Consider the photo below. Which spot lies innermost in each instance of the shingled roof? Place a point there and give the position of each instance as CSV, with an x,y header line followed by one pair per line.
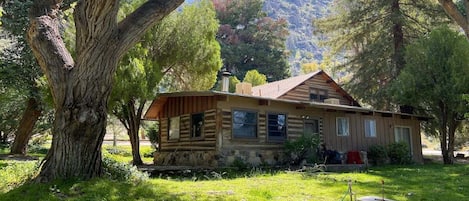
x,y
278,88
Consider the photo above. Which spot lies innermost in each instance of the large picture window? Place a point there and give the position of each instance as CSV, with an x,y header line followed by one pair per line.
x,y
370,128
244,124
277,127
173,131
197,125
342,124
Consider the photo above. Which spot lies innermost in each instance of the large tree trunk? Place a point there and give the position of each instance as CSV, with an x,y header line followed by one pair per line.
x,y
26,126
81,88
398,38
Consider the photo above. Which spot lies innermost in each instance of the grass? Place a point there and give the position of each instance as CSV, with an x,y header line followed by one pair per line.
x,y
413,183
416,182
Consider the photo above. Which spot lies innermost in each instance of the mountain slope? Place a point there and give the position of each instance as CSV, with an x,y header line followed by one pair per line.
x,y
301,43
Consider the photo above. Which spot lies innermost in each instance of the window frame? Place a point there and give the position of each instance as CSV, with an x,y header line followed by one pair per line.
x,y
410,137
319,97
374,129
285,129
337,126
256,125
192,137
169,129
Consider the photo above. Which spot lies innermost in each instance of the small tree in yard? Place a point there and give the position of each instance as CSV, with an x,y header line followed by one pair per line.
x,y
81,84
434,81
187,54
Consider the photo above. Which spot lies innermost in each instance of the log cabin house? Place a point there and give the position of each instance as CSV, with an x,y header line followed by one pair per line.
x,y
213,128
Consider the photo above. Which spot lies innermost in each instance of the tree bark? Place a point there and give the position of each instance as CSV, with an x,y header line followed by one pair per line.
x,y
26,126
81,88
398,37
134,117
452,10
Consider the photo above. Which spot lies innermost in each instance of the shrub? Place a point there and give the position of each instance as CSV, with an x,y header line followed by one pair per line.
x,y
377,154
399,153
152,134
303,148
239,164
16,173
119,171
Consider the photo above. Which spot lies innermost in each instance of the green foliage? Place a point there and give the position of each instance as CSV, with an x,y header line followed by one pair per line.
x,y
399,153
240,164
250,40
371,36
120,171
377,154
255,78
303,148
14,174
152,133
442,57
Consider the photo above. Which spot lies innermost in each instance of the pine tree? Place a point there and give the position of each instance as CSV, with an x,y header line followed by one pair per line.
x,y
372,35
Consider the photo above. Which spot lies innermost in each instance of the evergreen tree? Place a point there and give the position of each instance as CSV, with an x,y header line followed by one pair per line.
x,y
250,40
433,83
371,35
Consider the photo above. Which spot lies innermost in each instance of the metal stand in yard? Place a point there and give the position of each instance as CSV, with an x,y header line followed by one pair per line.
x,y
349,192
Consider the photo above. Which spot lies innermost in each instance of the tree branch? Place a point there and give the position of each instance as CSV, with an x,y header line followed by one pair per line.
x,y
47,44
142,19
451,9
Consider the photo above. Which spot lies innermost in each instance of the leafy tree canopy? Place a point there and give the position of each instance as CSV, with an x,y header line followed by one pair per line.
x,y
432,81
255,78
250,40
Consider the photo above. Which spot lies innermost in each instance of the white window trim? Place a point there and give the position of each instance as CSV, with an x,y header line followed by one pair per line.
x,y
364,129
347,133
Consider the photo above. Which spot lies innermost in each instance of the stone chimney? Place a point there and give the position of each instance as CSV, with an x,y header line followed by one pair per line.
x,y
225,81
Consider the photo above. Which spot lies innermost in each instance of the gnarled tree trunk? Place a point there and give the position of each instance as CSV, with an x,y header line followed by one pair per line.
x,y
26,126
81,87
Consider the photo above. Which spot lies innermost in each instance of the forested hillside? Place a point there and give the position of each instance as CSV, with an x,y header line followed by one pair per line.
x,y
302,44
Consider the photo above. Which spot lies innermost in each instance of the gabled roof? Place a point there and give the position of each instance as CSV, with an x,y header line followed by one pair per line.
x,y
278,88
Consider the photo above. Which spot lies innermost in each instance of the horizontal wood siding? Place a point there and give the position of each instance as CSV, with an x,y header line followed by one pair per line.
x,y
301,92
177,106
185,142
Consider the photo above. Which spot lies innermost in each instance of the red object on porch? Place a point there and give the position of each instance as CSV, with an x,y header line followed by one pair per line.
x,y
353,157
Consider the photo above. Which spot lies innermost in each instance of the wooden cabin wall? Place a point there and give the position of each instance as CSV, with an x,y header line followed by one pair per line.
x,y
301,92
177,106
357,140
185,107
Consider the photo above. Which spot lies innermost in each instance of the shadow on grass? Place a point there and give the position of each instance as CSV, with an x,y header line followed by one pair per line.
x,y
96,189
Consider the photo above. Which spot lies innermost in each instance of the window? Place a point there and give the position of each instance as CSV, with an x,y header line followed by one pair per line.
x,y
342,125
402,134
173,132
197,125
244,124
370,128
318,95
311,126
276,126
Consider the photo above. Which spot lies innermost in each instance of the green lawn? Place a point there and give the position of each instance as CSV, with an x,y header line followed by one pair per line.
x,y
428,182
414,182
